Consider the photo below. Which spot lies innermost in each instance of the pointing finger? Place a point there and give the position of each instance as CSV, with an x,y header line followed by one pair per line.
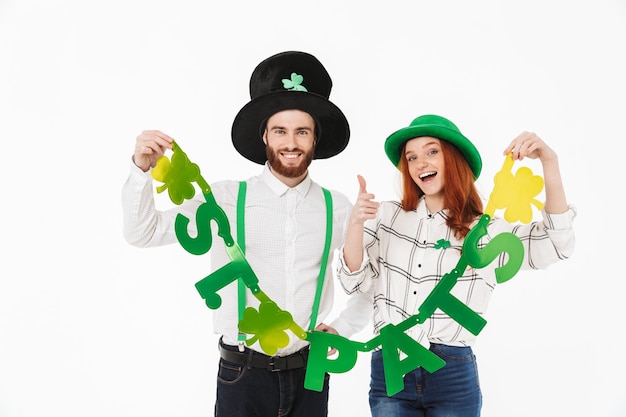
x,y
362,188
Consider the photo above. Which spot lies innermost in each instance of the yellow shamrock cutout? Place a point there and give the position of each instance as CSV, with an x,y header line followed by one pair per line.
x,y
515,193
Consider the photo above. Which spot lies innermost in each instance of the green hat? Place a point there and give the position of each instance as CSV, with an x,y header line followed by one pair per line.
x,y
437,127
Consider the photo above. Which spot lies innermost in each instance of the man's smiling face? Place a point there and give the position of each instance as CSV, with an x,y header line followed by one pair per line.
x,y
290,142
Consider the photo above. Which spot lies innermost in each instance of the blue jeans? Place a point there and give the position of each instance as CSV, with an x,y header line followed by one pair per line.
x,y
452,391
258,392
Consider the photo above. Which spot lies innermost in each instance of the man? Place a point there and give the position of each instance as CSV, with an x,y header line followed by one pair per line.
x,y
288,123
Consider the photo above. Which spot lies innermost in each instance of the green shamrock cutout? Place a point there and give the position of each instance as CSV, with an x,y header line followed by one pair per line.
x,y
295,83
442,244
177,176
268,325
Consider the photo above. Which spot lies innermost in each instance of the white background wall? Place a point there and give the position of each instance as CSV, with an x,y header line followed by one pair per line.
x,y
90,326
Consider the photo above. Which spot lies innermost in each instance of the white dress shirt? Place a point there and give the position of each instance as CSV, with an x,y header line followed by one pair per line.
x,y
285,237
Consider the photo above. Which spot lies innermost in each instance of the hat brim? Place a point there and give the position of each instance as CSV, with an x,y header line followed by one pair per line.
x,y
395,142
333,129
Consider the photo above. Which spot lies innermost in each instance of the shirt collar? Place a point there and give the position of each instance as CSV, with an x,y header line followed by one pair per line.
x,y
279,188
423,211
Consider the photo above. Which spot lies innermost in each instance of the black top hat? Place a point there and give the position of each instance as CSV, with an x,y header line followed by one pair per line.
x,y
290,80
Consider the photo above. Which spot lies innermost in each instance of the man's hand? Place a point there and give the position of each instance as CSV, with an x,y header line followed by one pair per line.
x,y
327,329
149,147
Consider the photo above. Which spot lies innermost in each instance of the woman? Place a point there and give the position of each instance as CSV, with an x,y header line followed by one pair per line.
x,y
399,250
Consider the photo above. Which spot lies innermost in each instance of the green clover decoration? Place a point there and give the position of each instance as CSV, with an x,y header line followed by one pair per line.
x,y
177,176
268,325
442,244
295,83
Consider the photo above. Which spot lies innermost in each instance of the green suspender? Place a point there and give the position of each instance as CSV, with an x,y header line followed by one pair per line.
x,y
320,278
241,241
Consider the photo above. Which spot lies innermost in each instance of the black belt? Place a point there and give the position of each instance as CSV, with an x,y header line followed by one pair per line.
x,y
253,359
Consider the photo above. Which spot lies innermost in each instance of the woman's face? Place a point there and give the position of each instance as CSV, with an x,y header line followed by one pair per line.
x,y
424,158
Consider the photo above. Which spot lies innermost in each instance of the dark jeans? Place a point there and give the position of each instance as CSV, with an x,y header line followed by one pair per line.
x,y
452,391
248,392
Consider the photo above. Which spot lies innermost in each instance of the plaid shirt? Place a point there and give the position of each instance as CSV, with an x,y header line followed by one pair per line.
x,y
404,259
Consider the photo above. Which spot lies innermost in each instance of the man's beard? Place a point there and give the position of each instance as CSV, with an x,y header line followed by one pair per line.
x,y
273,158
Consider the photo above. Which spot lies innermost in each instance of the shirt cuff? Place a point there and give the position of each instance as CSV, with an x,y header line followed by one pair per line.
x,y
344,268
137,174
561,221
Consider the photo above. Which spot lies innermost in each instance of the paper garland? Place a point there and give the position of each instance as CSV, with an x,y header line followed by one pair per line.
x,y
269,324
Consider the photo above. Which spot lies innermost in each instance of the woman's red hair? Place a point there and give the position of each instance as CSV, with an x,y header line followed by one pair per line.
x,y
461,197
